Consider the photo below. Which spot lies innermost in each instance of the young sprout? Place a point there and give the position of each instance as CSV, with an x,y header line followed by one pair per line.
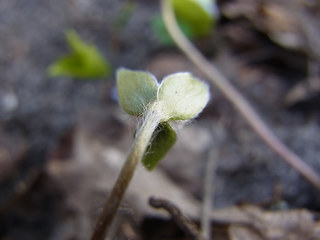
x,y
179,96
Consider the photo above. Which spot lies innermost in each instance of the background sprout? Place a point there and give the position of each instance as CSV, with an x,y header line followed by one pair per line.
x,y
196,18
84,61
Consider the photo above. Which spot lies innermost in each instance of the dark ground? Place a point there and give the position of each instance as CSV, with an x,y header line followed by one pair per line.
x,y
62,140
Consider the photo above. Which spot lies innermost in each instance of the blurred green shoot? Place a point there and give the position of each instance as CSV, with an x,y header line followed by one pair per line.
x,y
84,61
196,18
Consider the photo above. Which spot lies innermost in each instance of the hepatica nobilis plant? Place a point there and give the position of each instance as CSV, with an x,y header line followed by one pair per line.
x,y
179,96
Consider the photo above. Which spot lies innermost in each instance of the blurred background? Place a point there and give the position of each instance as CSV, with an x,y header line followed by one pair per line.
x,y
63,137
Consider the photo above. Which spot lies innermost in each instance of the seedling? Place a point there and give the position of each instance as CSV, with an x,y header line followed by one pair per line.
x,y
178,97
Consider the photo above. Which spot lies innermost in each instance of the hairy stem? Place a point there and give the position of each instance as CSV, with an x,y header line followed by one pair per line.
x,y
234,96
114,199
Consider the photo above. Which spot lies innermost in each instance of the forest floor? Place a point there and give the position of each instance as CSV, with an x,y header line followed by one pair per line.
x,y
63,140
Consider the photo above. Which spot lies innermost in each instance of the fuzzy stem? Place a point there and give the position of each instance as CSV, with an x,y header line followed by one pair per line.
x,y
235,97
114,199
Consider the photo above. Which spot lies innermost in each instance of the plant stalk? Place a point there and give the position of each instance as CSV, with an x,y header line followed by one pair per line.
x,y
115,197
235,97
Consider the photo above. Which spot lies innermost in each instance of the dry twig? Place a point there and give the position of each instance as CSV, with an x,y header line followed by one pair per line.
x,y
208,194
186,225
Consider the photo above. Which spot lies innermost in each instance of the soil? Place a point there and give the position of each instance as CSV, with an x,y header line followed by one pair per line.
x,y
62,140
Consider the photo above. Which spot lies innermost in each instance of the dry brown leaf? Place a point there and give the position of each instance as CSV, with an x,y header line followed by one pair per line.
x,y
303,91
237,232
288,23
253,223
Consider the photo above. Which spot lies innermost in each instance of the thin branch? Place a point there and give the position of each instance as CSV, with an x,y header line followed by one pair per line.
x,y
233,95
186,225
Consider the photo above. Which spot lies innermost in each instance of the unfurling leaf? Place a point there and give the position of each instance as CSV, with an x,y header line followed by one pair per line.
x,y
182,97
162,34
162,140
196,18
136,89
84,61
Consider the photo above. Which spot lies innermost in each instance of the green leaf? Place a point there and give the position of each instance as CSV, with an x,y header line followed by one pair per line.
x,y
196,14
163,139
136,89
84,61
182,97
